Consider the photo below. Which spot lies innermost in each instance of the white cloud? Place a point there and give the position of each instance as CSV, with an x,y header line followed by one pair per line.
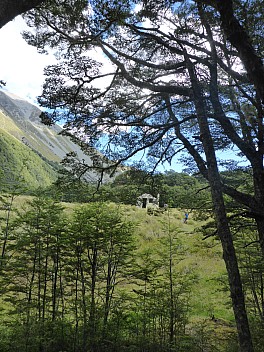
x,y
21,66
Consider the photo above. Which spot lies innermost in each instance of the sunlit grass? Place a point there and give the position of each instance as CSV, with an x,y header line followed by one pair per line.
x,y
204,257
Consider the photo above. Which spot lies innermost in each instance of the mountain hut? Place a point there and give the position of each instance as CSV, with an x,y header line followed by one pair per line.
x,y
147,200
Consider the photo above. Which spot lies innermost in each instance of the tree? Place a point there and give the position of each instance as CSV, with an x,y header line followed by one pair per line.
x,y
12,185
177,82
239,38
175,283
32,278
102,242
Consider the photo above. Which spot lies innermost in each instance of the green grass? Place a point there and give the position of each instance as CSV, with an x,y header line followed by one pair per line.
x,y
19,162
204,256
9,126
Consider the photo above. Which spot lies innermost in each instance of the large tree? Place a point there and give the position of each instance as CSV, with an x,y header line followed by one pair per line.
x,y
184,75
9,9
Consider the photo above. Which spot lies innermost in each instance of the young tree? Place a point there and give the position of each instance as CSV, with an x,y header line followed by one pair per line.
x,y
32,279
175,285
102,241
12,186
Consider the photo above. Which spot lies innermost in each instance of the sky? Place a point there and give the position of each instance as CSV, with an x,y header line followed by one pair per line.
x,y
21,66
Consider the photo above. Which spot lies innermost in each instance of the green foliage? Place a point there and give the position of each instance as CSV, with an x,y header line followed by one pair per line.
x,y
175,88
175,189
103,276
20,162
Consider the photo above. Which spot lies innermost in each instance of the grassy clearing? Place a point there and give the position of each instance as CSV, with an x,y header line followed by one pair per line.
x,y
208,297
204,256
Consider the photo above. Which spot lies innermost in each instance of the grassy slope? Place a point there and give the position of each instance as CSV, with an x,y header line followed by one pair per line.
x,y
9,126
204,256
18,160
207,298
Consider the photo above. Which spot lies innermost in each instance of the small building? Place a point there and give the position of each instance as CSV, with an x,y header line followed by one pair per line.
x,y
147,200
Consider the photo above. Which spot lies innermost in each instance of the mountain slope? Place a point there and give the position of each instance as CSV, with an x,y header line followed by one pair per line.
x,y
26,126
21,166
19,121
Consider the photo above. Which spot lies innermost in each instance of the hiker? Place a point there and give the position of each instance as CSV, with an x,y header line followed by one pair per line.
x,y
186,215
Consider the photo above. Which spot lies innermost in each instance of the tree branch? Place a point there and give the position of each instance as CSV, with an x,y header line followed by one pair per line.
x,y
9,9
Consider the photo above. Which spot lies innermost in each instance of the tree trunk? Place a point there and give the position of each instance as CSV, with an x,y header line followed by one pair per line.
x,y
258,177
238,37
172,313
55,282
92,318
7,223
84,309
45,280
223,229
9,9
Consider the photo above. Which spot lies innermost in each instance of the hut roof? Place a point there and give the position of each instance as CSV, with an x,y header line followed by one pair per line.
x,y
146,195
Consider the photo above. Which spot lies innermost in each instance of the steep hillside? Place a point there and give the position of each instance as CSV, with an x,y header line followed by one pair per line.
x,y
25,138
21,166
21,119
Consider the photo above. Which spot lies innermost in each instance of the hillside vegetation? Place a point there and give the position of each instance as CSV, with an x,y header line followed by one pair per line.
x,y
21,121
21,164
204,257
98,273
